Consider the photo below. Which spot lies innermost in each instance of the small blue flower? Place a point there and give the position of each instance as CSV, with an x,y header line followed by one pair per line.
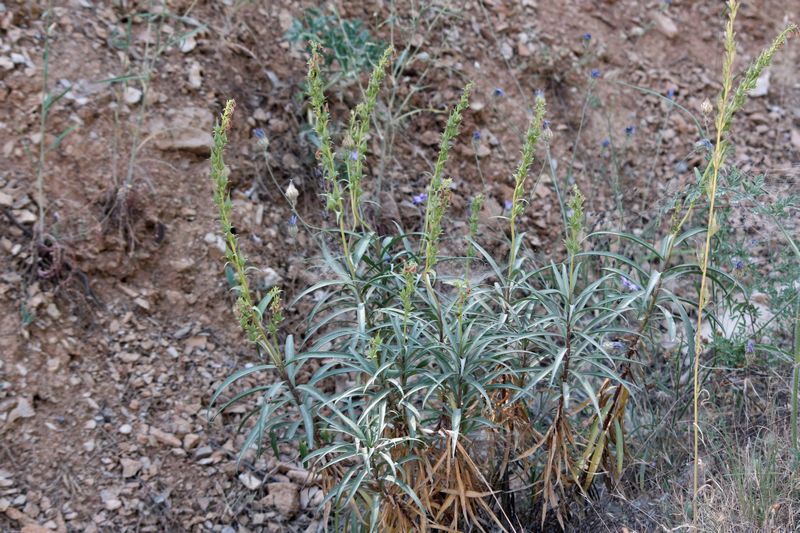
x,y
353,156
618,346
546,124
595,73
628,284
259,133
476,136
704,143
539,93
671,94
606,143
738,264
587,37
508,204
630,130
419,199
750,347
498,92
293,220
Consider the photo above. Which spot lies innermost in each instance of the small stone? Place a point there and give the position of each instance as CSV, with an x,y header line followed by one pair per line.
x,y
270,277
132,95
506,51
128,357
250,481
24,409
113,504
52,311
24,216
125,429
130,467
4,504
188,44
190,441
165,438
195,76
665,25
796,139
89,445
203,452
285,498
6,200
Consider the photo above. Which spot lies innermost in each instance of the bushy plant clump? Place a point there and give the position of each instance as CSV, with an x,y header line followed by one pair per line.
x,y
445,386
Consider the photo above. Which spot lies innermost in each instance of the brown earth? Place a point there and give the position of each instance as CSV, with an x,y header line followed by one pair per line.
x,y
110,359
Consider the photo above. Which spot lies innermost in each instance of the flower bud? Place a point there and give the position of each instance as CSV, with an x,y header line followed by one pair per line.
x,y
706,107
292,193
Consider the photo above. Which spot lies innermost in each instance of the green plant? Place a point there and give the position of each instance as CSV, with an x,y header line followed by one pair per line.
x,y
347,48
431,377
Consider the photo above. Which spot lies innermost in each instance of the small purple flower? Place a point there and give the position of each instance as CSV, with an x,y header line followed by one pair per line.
x,y
259,133
630,130
618,346
546,124
476,136
587,37
419,199
704,143
539,93
498,92
606,143
353,156
628,284
508,204
671,94
738,264
750,347
595,73
293,220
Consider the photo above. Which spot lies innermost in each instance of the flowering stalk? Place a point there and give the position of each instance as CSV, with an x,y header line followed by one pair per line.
x,y
359,124
249,319
517,203
438,190
728,103
334,197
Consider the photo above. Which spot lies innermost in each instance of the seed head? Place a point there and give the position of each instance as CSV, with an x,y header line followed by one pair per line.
x,y
291,194
706,107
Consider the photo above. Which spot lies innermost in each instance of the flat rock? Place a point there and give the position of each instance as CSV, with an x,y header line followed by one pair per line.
x,y
130,467
185,129
165,438
666,26
250,481
24,409
284,497
6,200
